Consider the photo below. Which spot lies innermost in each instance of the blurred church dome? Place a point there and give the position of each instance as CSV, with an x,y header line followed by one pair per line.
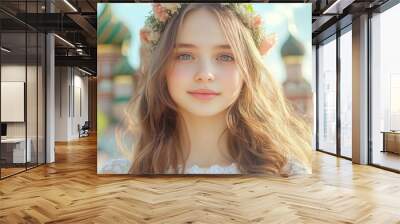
x,y
111,30
292,47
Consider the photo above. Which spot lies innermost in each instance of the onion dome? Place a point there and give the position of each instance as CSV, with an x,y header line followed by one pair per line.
x,y
292,49
111,30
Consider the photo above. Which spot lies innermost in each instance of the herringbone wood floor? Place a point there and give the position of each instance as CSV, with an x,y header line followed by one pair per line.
x,y
70,191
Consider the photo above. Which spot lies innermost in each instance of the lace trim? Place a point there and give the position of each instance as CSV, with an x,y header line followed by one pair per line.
x,y
294,167
214,169
116,166
121,166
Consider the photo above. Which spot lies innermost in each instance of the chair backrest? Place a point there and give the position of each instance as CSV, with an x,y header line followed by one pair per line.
x,y
86,125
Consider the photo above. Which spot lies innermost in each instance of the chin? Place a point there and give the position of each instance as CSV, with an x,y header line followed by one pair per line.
x,y
204,111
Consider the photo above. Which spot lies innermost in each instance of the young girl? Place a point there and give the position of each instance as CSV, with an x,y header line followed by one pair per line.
x,y
206,102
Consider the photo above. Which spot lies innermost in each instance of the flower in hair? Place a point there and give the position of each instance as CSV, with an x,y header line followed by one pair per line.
x,y
267,43
256,21
145,34
171,7
162,12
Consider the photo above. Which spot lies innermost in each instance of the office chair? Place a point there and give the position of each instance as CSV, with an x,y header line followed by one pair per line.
x,y
84,130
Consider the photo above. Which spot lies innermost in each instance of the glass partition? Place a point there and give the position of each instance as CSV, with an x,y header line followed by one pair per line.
x,y
14,153
31,97
41,85
22,77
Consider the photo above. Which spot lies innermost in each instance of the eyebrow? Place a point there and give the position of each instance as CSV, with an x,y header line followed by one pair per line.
x,y
184,45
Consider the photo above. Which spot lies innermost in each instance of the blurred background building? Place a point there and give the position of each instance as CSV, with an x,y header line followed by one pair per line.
x,y
296,87
115,80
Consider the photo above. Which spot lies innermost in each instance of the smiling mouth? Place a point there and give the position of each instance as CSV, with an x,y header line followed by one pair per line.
x,y
203,94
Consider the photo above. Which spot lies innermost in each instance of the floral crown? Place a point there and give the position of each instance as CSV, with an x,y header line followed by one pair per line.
x,y
156,22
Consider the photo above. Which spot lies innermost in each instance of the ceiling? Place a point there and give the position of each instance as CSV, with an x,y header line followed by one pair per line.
x,y
329,16
76,23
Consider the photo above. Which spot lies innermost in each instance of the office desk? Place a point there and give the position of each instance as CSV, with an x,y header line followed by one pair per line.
x,y
15,148
391,141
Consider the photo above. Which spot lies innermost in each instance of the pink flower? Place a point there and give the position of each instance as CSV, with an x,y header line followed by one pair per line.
x,y
257,20
163,17
160,13
267,43
157,8
145,35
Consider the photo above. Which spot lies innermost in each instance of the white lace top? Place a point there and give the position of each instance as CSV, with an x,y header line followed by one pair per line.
x,y
214,169
121,166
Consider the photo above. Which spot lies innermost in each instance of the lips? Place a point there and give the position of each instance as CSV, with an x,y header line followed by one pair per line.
x,y
203,94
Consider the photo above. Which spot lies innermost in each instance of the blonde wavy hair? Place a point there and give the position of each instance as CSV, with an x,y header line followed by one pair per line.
x,y
263,132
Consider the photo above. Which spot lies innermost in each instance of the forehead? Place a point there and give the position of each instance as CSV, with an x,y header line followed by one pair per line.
x,y
201,27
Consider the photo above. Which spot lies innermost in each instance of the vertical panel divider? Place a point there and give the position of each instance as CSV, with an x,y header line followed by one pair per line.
x,y
26,86
338,81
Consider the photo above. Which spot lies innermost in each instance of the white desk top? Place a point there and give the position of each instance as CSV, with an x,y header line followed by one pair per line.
x,y
13,140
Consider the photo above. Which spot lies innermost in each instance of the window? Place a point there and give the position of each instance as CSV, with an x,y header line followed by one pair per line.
x,y
385,89
346,94
327,97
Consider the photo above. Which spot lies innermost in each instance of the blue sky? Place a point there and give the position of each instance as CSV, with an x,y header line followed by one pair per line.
x,y
279,18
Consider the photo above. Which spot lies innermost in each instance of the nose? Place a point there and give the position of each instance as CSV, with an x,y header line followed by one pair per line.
x,y
204,72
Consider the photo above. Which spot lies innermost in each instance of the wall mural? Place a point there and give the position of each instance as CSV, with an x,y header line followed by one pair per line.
x,y
204,88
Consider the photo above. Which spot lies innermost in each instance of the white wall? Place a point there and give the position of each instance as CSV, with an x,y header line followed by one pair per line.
x,y
71,87
81,100
12,101
14,73
33,126
61,103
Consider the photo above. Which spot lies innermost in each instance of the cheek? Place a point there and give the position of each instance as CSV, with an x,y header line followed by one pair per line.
x,y
178,79
231,81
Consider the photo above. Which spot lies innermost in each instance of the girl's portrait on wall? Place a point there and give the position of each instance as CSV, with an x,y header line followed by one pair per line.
x,y
205,88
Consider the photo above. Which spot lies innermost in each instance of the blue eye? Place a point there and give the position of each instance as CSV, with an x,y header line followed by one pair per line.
x,y
185,57
225,58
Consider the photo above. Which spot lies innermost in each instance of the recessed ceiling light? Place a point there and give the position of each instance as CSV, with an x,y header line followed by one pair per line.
x,y
64,40
5,50
337,7
84,71
70,5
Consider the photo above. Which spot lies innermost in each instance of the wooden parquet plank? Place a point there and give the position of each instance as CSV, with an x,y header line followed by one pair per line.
x,y
70,191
